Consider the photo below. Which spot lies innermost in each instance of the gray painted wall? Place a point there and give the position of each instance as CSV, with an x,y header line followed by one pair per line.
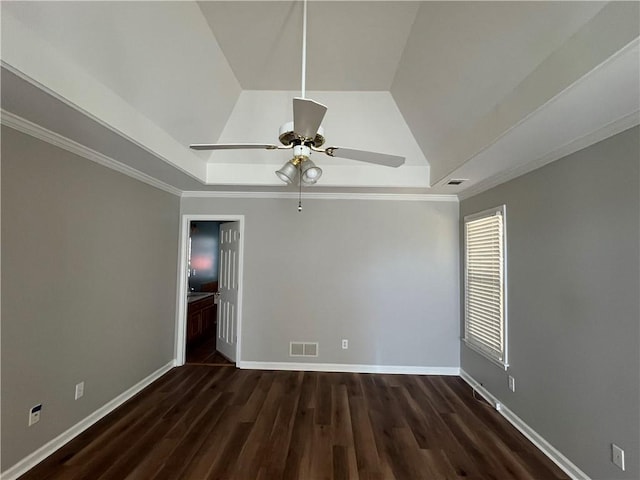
x,y
573,279
88,287
383,274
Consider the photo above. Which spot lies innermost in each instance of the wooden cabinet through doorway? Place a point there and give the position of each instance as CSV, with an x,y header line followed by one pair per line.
x,y
201,320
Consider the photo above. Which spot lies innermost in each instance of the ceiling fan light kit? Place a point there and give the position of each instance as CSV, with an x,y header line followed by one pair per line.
x,y
305,135
300,166
310,173
288,173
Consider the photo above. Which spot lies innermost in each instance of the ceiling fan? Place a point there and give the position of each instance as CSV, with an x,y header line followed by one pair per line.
x,y
305,135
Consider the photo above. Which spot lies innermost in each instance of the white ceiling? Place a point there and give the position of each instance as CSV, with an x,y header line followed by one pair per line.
x,y
459,88
351,45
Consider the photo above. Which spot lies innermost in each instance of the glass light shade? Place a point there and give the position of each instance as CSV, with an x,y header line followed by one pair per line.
x,y
310,173
287,173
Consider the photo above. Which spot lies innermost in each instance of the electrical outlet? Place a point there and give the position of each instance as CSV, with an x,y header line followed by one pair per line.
x,y
79,390
512,383
617,456
34,414
345,343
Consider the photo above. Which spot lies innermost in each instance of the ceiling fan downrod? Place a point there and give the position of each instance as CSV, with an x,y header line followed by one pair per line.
x,y
305,135
304,48
303,88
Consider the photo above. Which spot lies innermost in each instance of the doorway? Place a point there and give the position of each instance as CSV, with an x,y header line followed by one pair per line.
x,y
202,293
209,318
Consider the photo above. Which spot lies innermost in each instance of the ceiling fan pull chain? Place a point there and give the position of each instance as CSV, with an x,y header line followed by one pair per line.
x,y
304,47
299,191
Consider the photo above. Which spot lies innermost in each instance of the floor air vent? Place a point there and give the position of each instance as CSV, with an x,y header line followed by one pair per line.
x,y
303,349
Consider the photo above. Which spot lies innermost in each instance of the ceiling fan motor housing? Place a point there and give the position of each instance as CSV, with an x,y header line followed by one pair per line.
x,y
301,152
287,136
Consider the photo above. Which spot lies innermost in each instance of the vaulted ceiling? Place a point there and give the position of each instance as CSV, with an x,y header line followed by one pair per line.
x,y
481,91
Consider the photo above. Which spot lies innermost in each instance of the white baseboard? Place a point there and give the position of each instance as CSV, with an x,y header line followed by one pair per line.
x,y
50,447
349,368
534,437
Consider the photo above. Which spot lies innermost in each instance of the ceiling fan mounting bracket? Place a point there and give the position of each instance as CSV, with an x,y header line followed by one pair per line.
x,y
288,136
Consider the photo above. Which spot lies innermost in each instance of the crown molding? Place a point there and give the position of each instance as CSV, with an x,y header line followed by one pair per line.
x,y
65,101
25,126
406,197
609,130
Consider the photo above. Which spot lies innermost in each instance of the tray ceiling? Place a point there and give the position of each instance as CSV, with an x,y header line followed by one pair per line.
x,y
442,83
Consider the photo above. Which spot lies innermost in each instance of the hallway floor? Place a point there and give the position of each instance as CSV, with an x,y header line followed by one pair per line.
x,y
205,353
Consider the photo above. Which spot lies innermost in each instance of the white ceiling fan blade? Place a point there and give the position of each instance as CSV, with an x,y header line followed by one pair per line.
x,y
307,117
364,156
233,146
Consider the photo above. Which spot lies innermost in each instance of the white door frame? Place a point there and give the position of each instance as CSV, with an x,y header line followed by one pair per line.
x,y
183,283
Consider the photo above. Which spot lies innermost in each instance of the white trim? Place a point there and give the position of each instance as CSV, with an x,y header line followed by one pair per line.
x,y
25,126
349,368
407,197
183,282
485,349
50,447
32,81
487,356
609,130
534,437
616,126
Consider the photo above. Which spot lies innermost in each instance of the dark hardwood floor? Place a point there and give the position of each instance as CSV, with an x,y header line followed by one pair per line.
x,y
201,422
205,354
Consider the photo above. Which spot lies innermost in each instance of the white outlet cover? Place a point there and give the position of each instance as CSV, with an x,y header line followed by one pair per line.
x,y
79,390
345,344
617,456
512,383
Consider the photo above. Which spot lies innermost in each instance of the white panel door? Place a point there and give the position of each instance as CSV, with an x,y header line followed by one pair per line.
x,y
228,289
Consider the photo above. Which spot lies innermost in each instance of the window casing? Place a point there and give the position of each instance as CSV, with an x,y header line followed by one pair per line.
x,y
485,319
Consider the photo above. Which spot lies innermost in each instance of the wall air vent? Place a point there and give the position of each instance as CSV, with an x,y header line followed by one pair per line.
x,y
303,349
456,181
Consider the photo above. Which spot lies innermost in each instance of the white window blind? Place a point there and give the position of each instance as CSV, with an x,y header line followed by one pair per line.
x,y
485,322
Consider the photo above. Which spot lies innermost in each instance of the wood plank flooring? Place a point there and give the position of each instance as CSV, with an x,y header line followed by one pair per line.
x,y
205,353
201,422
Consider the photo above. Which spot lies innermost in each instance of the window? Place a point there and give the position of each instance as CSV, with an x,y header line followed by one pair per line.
x,y
485,290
